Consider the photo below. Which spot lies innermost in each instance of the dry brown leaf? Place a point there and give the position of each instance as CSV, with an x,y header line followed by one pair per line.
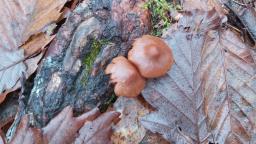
x,y
129,130
44,13
2,137
98,131
36,43
209,94
11,68
3,96
153,138
19,21
22,19
63,129
204,5
25,134
189,5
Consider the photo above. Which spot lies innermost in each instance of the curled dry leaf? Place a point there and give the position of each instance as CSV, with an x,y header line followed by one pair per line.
x,y
2,138
22,19
3,96
25,134
11,68
98,131
209,94
189,5
19,21
129,130
64,127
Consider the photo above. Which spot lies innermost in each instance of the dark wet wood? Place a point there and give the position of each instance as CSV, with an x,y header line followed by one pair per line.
x,y
63,78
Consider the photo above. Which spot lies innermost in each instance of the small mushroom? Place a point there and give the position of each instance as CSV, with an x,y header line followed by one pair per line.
x,y
128,81
151,55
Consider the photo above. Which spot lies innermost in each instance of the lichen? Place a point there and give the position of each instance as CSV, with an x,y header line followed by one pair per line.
x,y
91,56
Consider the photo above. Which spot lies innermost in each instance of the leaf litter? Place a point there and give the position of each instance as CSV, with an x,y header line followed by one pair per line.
x,y
209,93
90,128
22,25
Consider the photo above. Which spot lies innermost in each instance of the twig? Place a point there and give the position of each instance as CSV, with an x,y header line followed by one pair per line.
x,y
23,59
11,131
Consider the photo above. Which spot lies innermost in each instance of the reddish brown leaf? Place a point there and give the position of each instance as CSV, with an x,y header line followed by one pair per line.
x,y
25,134
63,129
205,5
229,84
11,68
97,131
129,130
2,137
19,21
36,43
209,94
3,96
196,4
22,19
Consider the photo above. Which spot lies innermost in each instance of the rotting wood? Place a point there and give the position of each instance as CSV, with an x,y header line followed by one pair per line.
x,y
64,78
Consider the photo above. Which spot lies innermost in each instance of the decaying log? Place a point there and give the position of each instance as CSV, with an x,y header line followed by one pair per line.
x,y
72,73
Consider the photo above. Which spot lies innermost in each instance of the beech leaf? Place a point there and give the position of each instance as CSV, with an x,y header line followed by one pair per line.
x,y
64,128
21,25
129,130
22,19
11,68
2,138
209,94
99,130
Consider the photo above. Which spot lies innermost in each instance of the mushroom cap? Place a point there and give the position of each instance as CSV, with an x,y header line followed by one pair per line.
x,y
128,81
151,55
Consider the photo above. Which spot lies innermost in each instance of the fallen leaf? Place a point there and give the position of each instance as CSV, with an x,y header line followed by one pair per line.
x,y
129,130
205,5
229,83
63,129
25,134
3,96
98,131
20,20
153,138
209,94
11,68
2,138
196,4
44,13
36,43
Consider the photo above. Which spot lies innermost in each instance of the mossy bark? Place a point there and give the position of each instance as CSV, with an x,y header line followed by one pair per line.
x,y
72,73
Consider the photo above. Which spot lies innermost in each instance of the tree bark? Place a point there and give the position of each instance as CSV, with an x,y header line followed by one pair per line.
x,y
72,73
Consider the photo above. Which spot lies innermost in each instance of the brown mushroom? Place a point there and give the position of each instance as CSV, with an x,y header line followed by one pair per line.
x,y
151,55
128,81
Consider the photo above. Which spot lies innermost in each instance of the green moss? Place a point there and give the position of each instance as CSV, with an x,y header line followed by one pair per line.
x,y
160,14
91,56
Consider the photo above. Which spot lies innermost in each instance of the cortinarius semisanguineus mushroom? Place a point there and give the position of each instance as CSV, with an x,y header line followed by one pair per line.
x,y
151,55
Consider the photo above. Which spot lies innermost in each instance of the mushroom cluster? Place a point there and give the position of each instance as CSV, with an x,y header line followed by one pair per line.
x,y
150,57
